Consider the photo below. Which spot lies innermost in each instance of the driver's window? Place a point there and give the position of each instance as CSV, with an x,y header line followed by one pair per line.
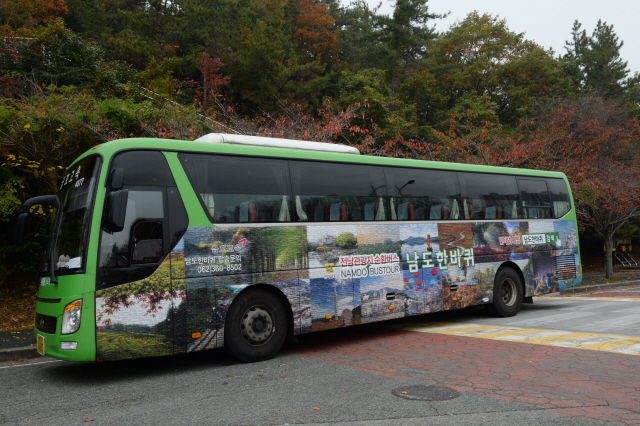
x,y
139,240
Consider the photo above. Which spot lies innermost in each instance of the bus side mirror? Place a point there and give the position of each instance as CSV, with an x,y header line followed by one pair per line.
x,y
23,213
116,210
117,179
20,228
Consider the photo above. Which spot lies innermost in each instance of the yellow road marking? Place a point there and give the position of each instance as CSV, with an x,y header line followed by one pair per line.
x,y
592,341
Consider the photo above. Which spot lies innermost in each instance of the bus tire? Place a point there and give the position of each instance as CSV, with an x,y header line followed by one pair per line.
x,y
507,294
255,327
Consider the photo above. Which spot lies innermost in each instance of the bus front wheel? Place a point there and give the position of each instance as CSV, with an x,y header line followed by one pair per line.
x,y
507,294
255,327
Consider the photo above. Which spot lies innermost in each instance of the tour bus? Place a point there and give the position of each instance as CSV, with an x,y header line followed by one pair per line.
x,y
162,247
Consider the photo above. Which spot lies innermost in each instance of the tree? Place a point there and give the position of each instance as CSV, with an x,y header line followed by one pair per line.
x,y
592,140
406,32
589,138
19,17
212,83
601,69
312,30
360,46
480,58
55,55
608,201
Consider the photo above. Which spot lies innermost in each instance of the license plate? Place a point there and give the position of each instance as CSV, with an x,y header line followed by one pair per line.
x,y
40,344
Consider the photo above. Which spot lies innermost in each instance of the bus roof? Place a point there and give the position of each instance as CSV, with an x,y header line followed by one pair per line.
x,y
108,149
277,143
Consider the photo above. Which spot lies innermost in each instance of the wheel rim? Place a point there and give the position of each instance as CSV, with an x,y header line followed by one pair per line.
x,y
257,325
508,292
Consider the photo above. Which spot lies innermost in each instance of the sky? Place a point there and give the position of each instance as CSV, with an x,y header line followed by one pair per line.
x,y
547,22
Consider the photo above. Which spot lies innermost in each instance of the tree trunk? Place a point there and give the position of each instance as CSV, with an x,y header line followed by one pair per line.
x,y
608,255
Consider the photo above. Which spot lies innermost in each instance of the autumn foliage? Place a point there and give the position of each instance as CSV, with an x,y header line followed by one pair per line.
x,y
19,17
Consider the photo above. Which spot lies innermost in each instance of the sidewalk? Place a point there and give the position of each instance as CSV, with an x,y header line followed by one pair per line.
x,y
595,282
17,345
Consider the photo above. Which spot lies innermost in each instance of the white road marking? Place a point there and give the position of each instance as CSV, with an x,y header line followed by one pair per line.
x,y
32,363
630,350
587,340
486,331
533,335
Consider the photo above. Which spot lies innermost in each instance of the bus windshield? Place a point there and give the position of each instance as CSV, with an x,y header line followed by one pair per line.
x,y
71,227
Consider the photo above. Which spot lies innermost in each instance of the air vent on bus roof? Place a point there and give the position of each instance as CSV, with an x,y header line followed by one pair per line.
x,y
277,143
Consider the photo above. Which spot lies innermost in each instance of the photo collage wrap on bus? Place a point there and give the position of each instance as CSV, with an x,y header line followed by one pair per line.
x,y
334,275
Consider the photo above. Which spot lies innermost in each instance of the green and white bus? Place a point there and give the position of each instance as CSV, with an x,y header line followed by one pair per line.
x,y
162,247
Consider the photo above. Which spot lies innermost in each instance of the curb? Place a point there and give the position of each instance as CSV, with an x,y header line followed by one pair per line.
x,y
599,287
18,353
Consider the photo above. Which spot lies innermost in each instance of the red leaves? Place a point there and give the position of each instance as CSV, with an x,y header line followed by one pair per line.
x,y
312,29
293,122
22,15
209,67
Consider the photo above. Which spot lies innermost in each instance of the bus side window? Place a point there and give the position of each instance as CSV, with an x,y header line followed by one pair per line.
x,y
136,252
559,197
240,189
336,192
489,196
117,247
422,194
536,202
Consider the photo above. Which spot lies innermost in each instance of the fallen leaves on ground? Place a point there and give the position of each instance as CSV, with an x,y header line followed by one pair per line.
x,y
17,309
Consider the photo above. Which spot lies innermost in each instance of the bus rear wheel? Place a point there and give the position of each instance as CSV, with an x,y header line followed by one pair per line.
x,y
507,294
255,327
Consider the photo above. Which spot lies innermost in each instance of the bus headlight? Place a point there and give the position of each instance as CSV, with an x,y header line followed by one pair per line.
x,y
71,317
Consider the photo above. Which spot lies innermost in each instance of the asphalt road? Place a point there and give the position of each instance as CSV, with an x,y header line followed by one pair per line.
x,y
568,361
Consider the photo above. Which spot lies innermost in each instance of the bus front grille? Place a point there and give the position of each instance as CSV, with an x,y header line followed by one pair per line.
x,y
566,267
46,323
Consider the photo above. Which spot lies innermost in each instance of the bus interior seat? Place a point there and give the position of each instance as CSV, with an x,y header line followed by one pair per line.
x,y
370,211
147,251
509,211
406,211
338,212
493,212
318,214
434,211
438,211
490,213
246,212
